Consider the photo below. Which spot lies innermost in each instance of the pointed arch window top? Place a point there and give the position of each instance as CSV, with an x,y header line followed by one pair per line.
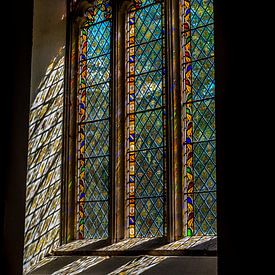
x,y
99,11
137,4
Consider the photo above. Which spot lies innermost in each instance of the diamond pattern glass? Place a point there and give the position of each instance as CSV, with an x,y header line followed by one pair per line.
x,y
93,121
149,129
204,166
148,57
204,120
97,102
98,39
148,89
96,138
148,24
202,42
98,70
199,117
205,212
149,217
149,173
96,220
201,12
203,79
146,117
97,175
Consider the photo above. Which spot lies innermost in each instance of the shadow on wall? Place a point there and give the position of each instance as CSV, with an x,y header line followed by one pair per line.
x,y
43,187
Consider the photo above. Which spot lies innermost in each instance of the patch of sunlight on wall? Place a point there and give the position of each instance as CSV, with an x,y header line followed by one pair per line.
x,y
43,190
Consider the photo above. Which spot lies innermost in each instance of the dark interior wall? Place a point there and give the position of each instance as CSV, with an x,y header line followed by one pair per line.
x,y
31,39
49,31
16,38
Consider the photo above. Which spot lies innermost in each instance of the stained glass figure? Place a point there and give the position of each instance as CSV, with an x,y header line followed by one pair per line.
x,y
146,116
94,121
199,117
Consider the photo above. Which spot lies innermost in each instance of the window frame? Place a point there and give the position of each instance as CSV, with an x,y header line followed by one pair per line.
x,y
118,213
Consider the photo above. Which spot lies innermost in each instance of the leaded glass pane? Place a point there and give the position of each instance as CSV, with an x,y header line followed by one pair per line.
x,y
203,120
93,122
199,117
97,102
204,166
201,12
96,219
149,130
148,89
97,177
96,138
148,57
146,118
148,24
205,209
149,173
202,42
149,217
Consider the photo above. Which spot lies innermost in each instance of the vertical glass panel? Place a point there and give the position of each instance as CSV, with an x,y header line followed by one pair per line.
x,y
146,118
94,122
198,117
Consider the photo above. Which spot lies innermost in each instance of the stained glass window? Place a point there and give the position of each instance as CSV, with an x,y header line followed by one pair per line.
x,y
94,121
146,116
199,117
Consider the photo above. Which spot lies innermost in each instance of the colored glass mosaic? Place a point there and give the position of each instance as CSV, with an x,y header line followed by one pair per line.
x,y
146,118
198,117
94,121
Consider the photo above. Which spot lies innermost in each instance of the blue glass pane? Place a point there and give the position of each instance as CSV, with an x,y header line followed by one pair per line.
x,y
98,39
148,24
148,57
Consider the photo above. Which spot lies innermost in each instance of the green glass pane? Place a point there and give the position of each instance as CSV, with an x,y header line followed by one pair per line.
x,y
149,217
205,208
201,12
203,120
148,24
149,129
202,42
149,173
97,138
96,220
204,166
97,102
203,79
96,178
148,89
